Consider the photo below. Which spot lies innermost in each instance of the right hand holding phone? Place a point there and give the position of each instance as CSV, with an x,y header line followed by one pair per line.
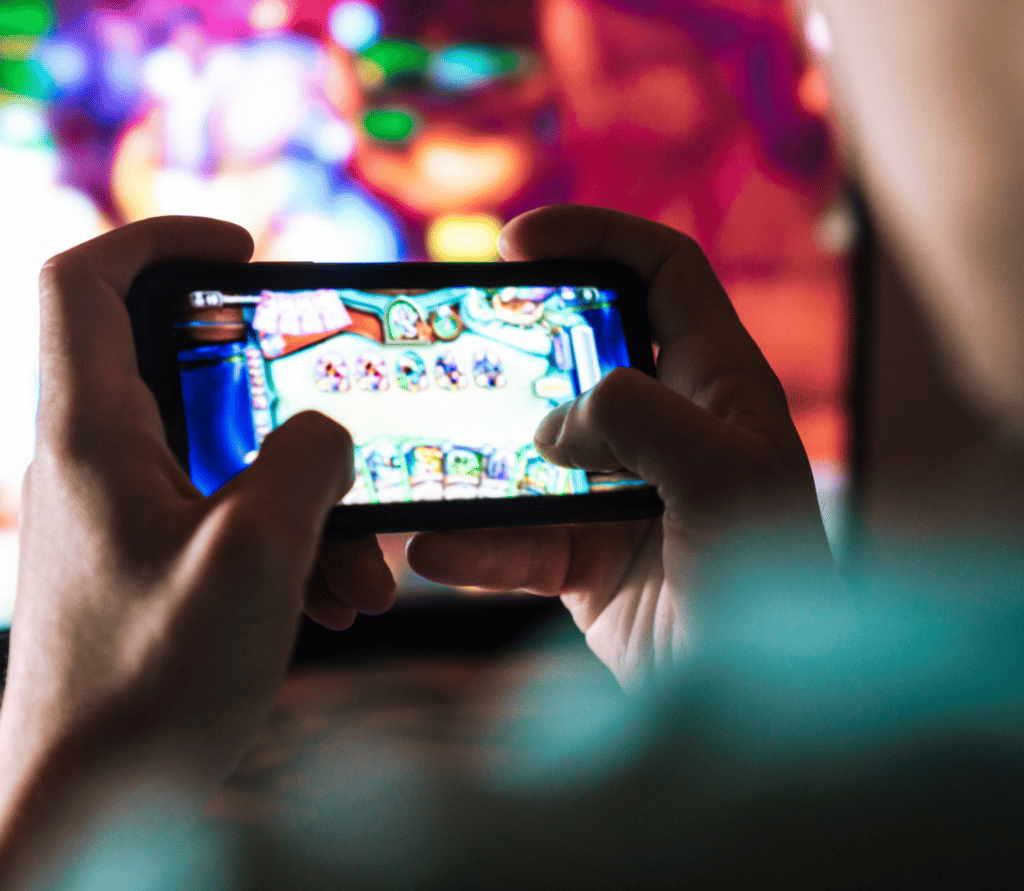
x,y
713,433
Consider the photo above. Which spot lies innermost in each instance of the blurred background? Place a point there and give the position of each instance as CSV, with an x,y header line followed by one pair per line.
x,y
374,130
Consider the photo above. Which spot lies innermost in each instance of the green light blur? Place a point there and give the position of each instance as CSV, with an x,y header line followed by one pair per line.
x,y
25,77
389,124
397,58
25,19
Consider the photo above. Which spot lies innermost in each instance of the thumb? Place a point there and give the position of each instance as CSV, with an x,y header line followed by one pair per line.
x,y
630,421
257,542
302,470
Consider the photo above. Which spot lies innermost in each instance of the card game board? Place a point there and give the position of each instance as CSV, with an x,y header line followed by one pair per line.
x,y
441,390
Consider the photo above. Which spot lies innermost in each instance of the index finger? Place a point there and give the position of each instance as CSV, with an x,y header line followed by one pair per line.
x,y
705,352
85,333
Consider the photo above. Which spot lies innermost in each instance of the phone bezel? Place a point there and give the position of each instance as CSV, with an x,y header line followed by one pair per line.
x,y
151,308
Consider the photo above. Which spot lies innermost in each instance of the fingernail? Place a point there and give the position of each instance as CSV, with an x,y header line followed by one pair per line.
x,y
550,427
504,247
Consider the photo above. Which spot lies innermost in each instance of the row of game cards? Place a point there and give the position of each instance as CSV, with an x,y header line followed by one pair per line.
x,y
396,470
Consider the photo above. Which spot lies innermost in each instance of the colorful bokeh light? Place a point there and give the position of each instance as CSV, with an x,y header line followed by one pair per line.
x,y
359,130
354,25
471,67
389,124
391,61
269,15
25,18
466,237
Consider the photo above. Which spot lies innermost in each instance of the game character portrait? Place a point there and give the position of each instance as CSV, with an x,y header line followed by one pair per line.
x,y
405,323
448,372
488,371
372,372
411,372
331,373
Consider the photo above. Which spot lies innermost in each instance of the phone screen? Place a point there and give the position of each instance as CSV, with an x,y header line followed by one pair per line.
x,y
442,389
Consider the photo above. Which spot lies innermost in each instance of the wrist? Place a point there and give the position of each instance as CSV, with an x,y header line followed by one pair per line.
x,y
60,793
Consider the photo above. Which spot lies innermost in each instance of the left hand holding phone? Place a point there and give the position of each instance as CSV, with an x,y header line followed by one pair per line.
x,y
712,432
153,626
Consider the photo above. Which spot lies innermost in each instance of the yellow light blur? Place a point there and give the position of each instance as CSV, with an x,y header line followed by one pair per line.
x,y
464,237
371,75
553,388
449,169
466,171
269,15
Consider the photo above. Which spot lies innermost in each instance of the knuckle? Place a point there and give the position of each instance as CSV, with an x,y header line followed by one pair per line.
x,y
691,250
57,273
692,257
743,393
51,270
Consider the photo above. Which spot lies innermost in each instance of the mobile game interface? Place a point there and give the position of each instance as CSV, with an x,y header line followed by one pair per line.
x,y
441,390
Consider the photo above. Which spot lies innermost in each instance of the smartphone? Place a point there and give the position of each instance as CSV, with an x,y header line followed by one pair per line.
x,y
440,372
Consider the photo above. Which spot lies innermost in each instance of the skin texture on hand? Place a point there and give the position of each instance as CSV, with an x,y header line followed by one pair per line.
x,y
153,625
713,433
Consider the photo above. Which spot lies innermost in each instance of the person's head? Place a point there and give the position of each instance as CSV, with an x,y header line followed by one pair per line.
x,y
929,96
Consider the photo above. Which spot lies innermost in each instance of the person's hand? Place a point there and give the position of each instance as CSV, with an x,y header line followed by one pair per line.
x,y
713,433
153,625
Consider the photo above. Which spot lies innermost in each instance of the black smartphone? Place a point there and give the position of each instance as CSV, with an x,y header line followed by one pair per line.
x,y
440,371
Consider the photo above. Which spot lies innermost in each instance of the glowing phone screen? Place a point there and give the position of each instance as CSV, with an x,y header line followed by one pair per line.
x,y
441,390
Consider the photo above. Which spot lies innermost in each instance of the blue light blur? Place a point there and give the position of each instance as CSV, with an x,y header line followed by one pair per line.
x,y
354,25
465,67
65,61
